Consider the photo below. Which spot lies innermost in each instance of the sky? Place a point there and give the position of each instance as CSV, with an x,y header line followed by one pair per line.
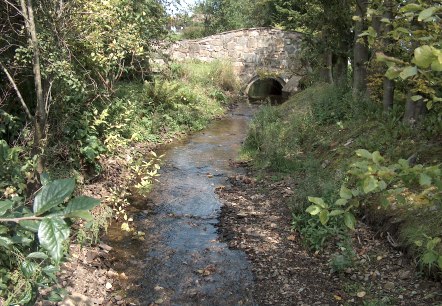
x,y
185,5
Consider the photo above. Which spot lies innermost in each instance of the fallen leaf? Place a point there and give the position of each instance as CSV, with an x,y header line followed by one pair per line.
x,y
291,238
337,297
361,294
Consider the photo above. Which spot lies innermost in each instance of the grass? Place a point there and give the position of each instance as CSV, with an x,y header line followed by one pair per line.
x,y
313,137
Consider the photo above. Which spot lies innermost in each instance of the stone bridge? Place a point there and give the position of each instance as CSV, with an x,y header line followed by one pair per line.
x,y
256,54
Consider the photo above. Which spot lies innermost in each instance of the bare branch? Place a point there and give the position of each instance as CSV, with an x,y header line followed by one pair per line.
x,y
20,97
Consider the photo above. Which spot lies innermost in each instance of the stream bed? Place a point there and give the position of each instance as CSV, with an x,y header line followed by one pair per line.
x,y
181,261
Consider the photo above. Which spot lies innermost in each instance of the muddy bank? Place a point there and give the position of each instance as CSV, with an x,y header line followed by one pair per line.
x,y
255,218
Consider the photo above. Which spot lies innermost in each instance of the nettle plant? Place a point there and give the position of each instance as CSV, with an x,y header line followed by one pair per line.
x,y
397,185
34,240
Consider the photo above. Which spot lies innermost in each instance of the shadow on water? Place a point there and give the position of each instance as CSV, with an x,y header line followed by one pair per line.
x,y
181,261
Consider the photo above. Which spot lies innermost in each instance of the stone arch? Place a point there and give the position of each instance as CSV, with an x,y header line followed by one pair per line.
x,y
278,81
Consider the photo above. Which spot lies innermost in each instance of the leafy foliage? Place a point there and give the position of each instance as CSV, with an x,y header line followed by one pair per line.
x,y
396,186
33,242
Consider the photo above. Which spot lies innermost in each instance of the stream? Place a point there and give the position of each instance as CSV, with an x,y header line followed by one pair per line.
x,y
181,261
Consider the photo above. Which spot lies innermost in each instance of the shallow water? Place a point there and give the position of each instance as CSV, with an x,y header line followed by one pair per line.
x,y
181,261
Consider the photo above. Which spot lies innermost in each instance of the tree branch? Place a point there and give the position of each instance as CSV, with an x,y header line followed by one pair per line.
x,y
17,220
20,97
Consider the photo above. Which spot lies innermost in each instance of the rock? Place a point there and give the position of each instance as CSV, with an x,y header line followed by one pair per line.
x,y
159,301
241,214
118,297
108,286
405,274
91,255
111,273
105,247
389,286
77,299
158,288
123,276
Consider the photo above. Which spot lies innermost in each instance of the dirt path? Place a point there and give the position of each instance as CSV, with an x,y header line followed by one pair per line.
x,y
255,218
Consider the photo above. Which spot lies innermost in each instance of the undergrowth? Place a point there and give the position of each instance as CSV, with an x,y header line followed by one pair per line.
x,y
314,136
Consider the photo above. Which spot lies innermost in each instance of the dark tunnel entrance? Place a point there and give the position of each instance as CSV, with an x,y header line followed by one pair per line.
x,y
266,89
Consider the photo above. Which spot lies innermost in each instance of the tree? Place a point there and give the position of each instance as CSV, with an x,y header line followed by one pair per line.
x,y
360,51
327,33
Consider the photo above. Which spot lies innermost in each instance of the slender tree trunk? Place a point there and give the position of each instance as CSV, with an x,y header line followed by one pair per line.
x,y
40,117
360,51
389,85
388,95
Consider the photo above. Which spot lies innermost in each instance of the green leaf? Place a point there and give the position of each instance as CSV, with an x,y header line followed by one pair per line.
x,y
416,98
336,212
318,201
313,210
439,262
424,179
4,206
429,258
53,194
37,255
370,184
81,203
364,153
345,193
82,214
423,56
52,233
393,72
427,13
349,220
341,202
382,185
377,158
324,217
30,225
50,270
44,178
384,202
412,7
28,268
436,65
5,242
408,72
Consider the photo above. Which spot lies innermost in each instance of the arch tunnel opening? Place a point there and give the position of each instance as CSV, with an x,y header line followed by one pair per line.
x,y
264,89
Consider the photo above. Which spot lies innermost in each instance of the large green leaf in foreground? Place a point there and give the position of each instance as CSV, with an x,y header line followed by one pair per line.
x,y
53,194
52,233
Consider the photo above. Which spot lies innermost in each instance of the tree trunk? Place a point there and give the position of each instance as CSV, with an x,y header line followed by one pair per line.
x,y
413,109
360,51
327,66
40,117
389,85
388,95
340,69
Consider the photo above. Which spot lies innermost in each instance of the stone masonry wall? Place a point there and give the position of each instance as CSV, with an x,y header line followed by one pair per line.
x,y
250,50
